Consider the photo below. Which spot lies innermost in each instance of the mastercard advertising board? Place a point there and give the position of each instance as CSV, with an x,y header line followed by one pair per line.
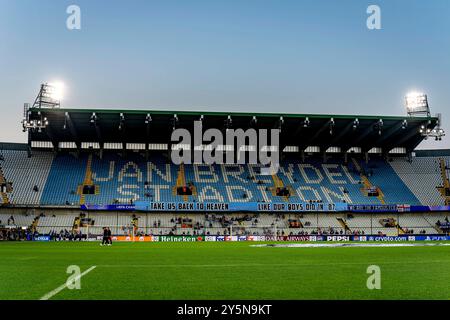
x,y
130,238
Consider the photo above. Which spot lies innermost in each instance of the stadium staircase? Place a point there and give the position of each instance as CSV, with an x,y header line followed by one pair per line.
x,y
400,230
135,224
344,225
439,229
445,188
181,182
3,195
35,224
278,183
87,181
76,224
395,225
367,184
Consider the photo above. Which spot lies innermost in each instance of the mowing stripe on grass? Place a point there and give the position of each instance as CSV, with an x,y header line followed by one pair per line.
x,y
61,287
312,264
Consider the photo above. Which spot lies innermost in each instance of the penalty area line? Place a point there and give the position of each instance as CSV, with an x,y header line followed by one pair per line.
x,y
62,287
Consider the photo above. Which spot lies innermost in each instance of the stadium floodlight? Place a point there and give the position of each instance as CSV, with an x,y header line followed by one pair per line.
x,y
404,124
380,126
228,123
175,121
306,123
355,124
148,118
436,132
35,124
253,121
280,123
66,116
93,119
50,95
122,121
417,103
56,90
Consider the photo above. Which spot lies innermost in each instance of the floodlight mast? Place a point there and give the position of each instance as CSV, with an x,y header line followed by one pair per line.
x,y
49,96
416,105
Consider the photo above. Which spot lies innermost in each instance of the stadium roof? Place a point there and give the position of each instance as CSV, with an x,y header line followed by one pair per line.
x,y
302,130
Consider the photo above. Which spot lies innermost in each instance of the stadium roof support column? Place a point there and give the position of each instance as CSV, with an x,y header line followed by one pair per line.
x,y
122,133
302,127
169,147
385,154
98,133
279,124
280,151
302,156
409,156
147,138
52,138
29,145
191,150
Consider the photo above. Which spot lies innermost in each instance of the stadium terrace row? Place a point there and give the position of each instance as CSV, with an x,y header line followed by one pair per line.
x,y
49,221
48,179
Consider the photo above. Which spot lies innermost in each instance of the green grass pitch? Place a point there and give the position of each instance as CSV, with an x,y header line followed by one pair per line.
x,y
207,270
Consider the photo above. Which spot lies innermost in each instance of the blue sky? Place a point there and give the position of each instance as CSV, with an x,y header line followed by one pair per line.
x,y
238,55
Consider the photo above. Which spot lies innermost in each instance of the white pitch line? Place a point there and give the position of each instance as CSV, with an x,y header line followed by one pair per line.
x,y
62,287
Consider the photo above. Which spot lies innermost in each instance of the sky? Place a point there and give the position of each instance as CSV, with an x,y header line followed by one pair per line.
x,y
303,56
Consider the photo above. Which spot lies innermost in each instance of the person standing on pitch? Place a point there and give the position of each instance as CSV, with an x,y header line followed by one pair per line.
x,y
105,236
109,241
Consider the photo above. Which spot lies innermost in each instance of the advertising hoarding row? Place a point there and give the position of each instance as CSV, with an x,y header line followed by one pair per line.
x,y
306,207
298,238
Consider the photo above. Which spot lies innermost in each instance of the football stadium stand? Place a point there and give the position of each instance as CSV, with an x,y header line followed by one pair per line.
x,y
45,179
422,176
48,221
343,175
28,175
